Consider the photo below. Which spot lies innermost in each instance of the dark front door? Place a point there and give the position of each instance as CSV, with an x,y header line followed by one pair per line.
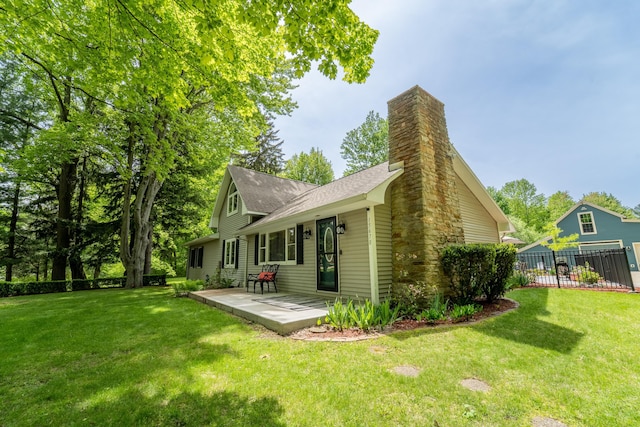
x,y
327,254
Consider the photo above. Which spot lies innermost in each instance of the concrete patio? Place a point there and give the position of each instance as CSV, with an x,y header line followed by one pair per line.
x,y
281,312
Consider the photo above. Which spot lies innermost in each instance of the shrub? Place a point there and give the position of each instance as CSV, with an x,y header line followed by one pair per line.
x,y
469,268
437,310
8,289
518,280
159,266
411,298
496,286
385,315
362,315
586,274
183,288
338,315
464,312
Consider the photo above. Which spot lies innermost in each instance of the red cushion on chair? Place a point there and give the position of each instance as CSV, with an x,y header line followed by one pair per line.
x,y
265,276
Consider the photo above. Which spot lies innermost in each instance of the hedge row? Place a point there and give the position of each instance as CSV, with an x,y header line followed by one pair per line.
x,y
9,289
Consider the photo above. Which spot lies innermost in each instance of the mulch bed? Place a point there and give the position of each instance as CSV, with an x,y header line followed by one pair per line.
x,y
325,333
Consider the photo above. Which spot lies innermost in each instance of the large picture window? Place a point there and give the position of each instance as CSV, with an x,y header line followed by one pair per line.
x,y
278,246
587,225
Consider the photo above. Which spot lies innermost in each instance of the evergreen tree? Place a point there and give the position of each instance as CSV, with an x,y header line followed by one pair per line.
x,y
267,156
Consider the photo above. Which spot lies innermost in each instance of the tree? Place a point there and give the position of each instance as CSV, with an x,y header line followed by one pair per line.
x,y
367,145
525,204
560,243
163,70
267,156
313,168
558,204
608,201
500,200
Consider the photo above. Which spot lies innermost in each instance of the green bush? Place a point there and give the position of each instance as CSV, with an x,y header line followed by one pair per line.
x,y
469,268
519,280
8,289
464,312
385,315
338,315
183,288
586,274
436,311
505,259
411,298
160,267
363,316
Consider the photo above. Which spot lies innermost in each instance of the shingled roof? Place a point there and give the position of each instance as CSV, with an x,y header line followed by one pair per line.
x,y
359,188
264,193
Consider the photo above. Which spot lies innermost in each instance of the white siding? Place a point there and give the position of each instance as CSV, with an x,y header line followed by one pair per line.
x,y
478,225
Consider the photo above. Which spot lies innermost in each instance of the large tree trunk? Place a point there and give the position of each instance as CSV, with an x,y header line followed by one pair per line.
x,y
66,187
75,261
148,250
145,197
13,225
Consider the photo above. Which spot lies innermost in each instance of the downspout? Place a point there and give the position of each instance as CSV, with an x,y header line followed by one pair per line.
x,y
373,255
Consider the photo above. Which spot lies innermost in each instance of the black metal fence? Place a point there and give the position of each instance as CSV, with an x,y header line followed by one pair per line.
x,y
577,269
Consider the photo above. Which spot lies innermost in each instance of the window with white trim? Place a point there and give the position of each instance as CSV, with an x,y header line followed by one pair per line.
x,y
230,253
587,224
262,249
232,200
278,246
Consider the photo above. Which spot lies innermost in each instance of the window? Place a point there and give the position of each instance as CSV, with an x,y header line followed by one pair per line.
x,y
262,249
230,253
587,226
279,246
195,257
232,199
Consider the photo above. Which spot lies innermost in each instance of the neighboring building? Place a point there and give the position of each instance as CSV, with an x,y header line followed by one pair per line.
x,y
354,236
598,229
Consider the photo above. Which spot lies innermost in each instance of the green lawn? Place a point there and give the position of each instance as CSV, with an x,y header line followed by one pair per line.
x,y
142,357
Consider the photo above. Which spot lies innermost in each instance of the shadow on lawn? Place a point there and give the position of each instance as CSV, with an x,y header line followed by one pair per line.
x,y
525,326
186,409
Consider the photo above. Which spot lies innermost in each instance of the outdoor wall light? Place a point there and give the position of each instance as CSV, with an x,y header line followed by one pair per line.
x,y
341,228
307,234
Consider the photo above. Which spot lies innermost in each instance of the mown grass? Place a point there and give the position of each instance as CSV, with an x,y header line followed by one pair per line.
x,y
142,357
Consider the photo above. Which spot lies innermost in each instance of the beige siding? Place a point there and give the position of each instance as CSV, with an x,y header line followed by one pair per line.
x,y
212,259
479,226
298,278
353,267
385,253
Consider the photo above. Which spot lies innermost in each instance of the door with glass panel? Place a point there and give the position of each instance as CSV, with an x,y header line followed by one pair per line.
x,y
327,250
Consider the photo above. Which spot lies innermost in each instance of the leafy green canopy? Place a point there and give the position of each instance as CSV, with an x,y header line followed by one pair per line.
x,y
367,145
313,168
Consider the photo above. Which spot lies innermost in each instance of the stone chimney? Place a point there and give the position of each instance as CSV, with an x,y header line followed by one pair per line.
x,y
424,199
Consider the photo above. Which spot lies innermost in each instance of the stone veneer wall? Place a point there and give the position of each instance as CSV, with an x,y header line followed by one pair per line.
x,y
424,199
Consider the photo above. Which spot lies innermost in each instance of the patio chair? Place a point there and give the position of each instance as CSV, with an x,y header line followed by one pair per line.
x,y
267,275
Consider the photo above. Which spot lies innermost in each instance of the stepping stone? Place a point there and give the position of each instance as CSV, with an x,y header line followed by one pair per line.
x,y
546,422
378,349
475,385
407,371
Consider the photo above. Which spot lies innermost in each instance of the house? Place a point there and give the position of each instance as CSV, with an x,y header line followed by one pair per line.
x,y
598,229
359,234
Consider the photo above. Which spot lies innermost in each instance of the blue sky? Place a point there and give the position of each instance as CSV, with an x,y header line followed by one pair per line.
x,y
543,90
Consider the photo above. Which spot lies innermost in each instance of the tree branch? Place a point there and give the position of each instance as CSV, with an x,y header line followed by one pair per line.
x,y
19,119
